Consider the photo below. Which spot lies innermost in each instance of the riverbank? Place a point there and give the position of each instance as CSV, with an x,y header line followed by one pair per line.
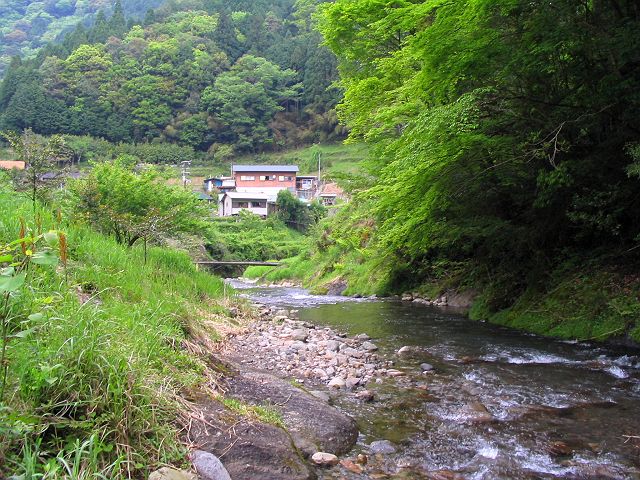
x,y
594,302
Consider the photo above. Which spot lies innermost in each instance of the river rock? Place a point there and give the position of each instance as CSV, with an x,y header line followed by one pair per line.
x,y
559,449
324,459
369,346
478,413
406,297
331,345
299,334
312,424
351,382
166,473
351,352
351,466
382,446
422,301
337,382
365,396
426,367
406,350
208,466
363,337
392,372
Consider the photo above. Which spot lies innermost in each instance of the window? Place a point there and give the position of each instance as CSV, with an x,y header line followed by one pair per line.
x,y
247,177
267,178
239,204
258,204
285,178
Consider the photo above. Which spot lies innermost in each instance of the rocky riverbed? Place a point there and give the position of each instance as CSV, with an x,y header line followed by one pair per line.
x,y
309,354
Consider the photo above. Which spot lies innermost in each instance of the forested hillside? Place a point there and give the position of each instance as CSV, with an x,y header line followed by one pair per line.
x,y
26,26
505,139
227,77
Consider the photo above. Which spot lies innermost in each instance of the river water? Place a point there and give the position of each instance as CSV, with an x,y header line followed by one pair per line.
x,y
498,405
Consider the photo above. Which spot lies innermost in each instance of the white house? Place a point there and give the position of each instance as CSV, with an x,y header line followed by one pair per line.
x,y
232,203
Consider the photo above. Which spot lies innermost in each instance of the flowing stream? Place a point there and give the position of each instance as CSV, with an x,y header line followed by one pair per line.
x,y
498,405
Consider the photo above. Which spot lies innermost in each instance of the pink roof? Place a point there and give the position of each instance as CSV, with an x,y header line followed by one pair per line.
x,y
331,189
10,164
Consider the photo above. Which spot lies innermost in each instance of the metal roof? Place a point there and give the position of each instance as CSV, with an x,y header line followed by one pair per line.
x,y
265,168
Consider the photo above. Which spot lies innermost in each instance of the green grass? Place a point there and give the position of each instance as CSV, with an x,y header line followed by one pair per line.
x,y
592,304
263,413
248,237
97,379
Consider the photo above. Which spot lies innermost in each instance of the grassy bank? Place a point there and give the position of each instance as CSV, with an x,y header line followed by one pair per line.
x,y
596,303
248,237
99,354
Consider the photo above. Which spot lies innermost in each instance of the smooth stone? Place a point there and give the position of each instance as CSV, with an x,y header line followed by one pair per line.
x,y
395,373
166,473
208,466
299,334
365,396
426,367
351,382
406,349
337,382
351,352
324,459
370,347
382,446
351,466
363,337
332,345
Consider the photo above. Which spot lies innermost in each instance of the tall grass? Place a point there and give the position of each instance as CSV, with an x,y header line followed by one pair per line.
x,y
93,388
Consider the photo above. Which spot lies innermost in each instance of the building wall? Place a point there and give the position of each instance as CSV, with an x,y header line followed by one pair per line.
x,y
271,190
229,207
279,182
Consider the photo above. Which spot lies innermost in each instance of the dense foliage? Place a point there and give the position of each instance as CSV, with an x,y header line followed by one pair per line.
x,y
27,26
134,206
505,135
240,77
249,237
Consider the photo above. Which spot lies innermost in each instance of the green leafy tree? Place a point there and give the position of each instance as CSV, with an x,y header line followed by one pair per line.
x,y
292,211
135,206
41,155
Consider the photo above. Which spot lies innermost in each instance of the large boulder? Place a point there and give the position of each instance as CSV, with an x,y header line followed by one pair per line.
x,y
313,424
251,450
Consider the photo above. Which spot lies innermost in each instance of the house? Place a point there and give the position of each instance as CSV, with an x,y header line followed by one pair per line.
x,y
204,197
12,165
306,186
232,203
268,179
331,192
224,184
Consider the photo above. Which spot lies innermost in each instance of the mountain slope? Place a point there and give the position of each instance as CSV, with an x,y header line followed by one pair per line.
x,y
26,26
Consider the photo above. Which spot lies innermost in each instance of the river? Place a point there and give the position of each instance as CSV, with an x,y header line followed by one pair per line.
x,y
499,404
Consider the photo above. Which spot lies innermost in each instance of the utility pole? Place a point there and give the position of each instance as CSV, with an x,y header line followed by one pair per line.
x,y
317,153
185,166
